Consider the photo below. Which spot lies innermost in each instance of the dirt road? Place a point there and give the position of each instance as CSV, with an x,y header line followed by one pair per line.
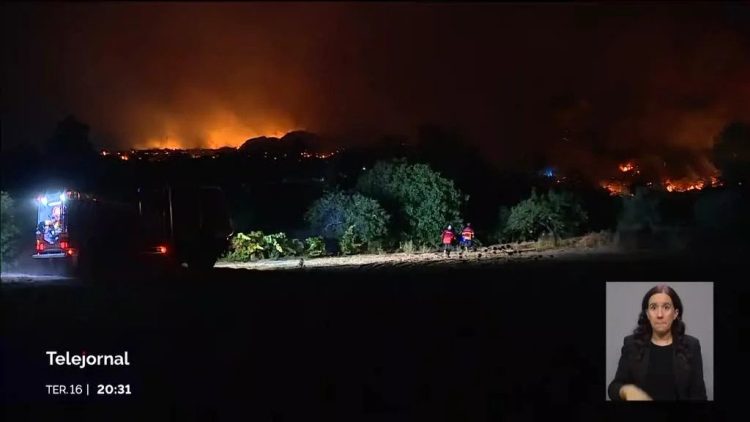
x,y
490,255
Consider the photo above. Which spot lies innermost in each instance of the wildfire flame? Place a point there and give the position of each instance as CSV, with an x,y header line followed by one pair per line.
x,y
221,128
690,184
214,139
615,188
626,167
683,185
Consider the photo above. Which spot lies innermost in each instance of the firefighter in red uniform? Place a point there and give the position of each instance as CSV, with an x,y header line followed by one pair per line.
x,y
467,237
447,238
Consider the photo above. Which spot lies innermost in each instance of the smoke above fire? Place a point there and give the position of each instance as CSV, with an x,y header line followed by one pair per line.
x,y
589,86
671,118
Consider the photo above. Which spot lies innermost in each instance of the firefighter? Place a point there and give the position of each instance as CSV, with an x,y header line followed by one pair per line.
x,y
49,232
56,213
467,237
55,224
447,238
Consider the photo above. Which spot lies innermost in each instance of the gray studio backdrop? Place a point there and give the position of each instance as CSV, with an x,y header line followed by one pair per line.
x,y
623,307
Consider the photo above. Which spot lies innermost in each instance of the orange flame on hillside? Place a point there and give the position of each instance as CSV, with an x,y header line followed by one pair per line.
x,y
615,187
220,129
683,185
626,167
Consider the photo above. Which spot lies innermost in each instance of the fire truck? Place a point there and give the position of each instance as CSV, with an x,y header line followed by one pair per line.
x,y
85,234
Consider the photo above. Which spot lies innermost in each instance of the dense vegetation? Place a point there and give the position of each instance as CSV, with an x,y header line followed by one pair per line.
x,y
370,199
348,218
420,199
9,230
558,214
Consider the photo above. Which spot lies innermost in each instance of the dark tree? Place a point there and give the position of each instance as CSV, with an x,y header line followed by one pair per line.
x,y
70,159
419,199
731,152
9,231
71,138
559,214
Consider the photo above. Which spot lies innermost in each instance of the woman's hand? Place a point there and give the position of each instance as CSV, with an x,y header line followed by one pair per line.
x,y
632,392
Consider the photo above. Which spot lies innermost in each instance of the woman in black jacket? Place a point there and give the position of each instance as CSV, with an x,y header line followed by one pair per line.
x,y
659,361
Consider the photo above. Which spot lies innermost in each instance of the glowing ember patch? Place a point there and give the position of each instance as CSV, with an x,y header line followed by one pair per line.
x,y
320,155
626,167
615,188
683,185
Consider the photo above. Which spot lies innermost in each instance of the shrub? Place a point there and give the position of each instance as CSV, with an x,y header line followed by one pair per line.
x,y
9,229
298,246
351,243
640,211
731,152
501,234
558,214
592,240
314,247
407,246
427,249
336,212
255,245
246,247
546,240
277,245
420,200
376,247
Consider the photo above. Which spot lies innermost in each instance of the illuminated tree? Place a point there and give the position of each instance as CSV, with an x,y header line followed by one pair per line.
x,y
420,200
559,214
336,212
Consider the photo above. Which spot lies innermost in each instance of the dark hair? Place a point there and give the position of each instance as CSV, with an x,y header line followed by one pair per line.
x,y
643,331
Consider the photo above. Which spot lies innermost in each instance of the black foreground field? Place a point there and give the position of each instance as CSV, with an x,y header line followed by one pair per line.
x,y
515,340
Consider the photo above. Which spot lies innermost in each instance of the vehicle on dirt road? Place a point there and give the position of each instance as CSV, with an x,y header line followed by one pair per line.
x,y
84,234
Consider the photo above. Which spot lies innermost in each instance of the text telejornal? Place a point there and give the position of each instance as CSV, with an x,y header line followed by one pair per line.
x,y
83,360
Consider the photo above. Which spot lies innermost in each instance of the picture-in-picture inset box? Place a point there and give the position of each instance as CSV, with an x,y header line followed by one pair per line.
x,y
660,341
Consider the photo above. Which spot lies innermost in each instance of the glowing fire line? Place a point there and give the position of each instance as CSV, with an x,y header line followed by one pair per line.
x,y
618,187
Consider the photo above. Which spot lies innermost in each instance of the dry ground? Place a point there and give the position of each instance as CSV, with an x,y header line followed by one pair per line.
x,y
485,255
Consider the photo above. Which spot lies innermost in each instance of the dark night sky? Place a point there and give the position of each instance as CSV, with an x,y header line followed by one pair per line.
x,y
512,78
